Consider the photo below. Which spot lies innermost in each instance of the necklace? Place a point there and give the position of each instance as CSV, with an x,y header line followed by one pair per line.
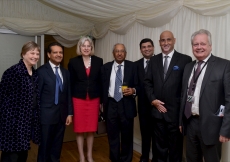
x,y
89,64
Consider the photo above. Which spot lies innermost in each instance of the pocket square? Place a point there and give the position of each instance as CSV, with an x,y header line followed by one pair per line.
x,y
176,68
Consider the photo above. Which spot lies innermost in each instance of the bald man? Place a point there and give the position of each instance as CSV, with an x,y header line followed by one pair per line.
x,y
163,82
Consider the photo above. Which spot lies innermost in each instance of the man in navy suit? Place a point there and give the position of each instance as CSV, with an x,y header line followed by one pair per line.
x,y
144,107
119,105
163,88
56,104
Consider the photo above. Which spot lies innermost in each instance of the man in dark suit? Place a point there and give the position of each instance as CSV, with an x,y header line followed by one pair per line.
x,y
119,104
56,104
205,106
163,88
144,107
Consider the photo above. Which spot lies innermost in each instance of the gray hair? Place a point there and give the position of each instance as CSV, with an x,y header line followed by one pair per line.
x,y
118,44
202,31
82,41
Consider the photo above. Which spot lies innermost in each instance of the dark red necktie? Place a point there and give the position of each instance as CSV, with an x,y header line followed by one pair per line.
x,y
192,86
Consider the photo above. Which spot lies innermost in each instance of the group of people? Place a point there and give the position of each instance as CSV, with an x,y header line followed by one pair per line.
x,y
175,97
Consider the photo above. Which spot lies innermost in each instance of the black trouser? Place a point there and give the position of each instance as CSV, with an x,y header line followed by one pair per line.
x,y
147,137
196,150
51,142
16,156
169,141
120,132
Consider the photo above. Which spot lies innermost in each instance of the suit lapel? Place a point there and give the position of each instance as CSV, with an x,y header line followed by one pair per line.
x,y
172,63
126,72
141,65
160,66
93,65
64,77
50,72
188,73
82,66
210,65
108,72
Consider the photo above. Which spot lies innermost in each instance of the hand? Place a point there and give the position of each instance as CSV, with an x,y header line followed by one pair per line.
x,y
180,128
128,91
68,120
101,107
223,139
159,105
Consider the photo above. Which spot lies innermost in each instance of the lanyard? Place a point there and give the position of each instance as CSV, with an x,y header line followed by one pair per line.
x,y
196,78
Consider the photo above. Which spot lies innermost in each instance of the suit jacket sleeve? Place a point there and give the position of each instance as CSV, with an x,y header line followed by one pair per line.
x,y
148,82
225,127
136,81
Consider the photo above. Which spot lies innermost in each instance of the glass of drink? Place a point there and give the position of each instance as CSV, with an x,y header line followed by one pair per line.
x,y
124,86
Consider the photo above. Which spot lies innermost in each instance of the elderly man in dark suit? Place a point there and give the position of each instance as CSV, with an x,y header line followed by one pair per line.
x,y
205,107
56,104
163,87
119,104
144,107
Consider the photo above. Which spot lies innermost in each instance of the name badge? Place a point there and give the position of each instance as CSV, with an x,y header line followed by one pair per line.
x,y
120,89
190,99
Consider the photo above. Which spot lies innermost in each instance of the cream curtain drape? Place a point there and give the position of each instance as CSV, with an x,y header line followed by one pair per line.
x,y
119,16
71,19
182,25
30,17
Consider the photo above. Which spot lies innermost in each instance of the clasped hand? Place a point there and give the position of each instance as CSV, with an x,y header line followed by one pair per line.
x,y
128,91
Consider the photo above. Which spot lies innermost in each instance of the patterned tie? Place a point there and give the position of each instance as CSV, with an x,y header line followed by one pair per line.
x,y
118,83
58,85
146,67
192,85
165,66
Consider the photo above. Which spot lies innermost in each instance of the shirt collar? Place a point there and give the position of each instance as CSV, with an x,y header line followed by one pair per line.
x,y
52,65
145,60
116,64
170,55
206,59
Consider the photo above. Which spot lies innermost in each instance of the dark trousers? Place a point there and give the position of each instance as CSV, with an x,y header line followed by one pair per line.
x,y
120,132
16,156
169,141
51,142
196,150
147,137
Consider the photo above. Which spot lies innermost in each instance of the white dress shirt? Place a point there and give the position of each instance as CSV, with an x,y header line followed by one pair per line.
x,y
195,104
170,55
54,69
145,64
113,77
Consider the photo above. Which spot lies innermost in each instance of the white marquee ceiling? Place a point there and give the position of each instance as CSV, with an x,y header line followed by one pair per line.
x,y
72,18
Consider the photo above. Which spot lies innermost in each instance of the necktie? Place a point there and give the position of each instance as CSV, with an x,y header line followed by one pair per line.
x,y
146,67
165,66
58,85
118,83
192,85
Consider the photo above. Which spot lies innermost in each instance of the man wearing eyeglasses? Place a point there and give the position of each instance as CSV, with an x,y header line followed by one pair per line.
x,y
120,86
